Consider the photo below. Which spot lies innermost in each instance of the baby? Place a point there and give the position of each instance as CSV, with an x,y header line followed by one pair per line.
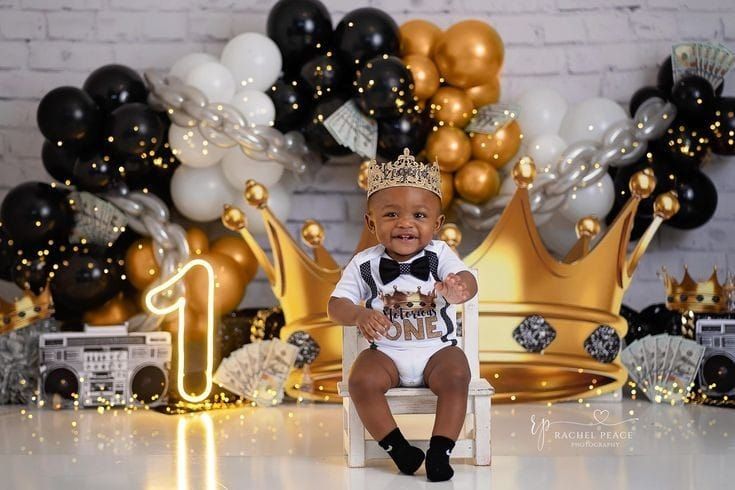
x,y
409,284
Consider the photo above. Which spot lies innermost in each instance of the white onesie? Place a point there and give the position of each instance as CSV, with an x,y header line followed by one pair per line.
x,y
422,321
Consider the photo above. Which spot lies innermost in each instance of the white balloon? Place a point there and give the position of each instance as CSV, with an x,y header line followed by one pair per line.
x,y
254,59
193,149
257,107
545,150
592,200
589,119
540,112
200,193
214,79
239,168
558,234
279,202
186,63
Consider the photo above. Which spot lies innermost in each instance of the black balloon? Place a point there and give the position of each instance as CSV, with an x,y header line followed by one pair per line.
x,y
86,279
114,85
95,173
697,200
35,213
134,129
292,102
723,126
301,29
665,78
69,115
409,130
7,254
324,75
59,161
31,272
660,319
642,95
637,328
684,141
365,33
317,136
384,87
693,97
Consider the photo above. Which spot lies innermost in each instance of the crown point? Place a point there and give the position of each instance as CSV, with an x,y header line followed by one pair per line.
x,y
312,233
256,194
233,218
524,172
642,183
589,226
666,205
451,234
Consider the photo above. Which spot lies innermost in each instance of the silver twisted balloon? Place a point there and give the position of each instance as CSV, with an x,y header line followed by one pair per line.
x,y
580,165
149,216
223,125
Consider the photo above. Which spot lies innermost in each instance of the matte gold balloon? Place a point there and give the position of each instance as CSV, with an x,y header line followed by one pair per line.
x,y
229,284
141,267
447,189
497,148
469,53
488,93
450,146
114,312
477,181
425,75
236,248
452,107
198,241
419,37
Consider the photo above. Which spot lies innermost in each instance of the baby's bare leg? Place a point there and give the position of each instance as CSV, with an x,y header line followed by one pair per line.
x,y
372,374
447,374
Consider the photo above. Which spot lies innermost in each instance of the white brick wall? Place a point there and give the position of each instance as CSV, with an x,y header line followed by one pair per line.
x,y
582,48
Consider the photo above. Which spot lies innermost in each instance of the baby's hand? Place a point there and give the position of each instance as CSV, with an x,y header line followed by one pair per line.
x,y
453,289
372,324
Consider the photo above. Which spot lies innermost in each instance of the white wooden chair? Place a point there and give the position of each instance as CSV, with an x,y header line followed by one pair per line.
x,y
476,441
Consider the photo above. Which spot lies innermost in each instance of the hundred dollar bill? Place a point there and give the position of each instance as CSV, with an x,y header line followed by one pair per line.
x,y
269,385
492,118
353,129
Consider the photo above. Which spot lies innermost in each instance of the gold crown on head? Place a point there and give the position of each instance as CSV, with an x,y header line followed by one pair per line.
x,y
405,171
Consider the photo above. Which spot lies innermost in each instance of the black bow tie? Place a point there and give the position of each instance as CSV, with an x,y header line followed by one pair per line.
x,y
390,269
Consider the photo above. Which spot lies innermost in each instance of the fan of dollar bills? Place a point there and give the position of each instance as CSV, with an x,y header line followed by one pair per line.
x,y
663,366
707,60
258,371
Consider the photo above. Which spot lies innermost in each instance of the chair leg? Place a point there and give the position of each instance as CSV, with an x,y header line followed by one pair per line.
x,y
469,424
481,406
355,436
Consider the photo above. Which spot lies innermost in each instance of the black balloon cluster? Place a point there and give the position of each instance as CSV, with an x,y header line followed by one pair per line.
x,y
653,320
705,123
99,138
325,67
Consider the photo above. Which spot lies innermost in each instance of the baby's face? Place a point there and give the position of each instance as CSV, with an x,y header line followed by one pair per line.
x,y
404,219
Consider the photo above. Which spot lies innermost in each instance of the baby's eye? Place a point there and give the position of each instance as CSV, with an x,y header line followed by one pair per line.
x,y
419,215
391,214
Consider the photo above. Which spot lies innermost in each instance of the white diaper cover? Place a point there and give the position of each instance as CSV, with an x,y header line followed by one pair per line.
x,y
412,361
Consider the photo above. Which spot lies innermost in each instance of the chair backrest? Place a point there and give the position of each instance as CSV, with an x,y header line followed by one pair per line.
x,y
467,338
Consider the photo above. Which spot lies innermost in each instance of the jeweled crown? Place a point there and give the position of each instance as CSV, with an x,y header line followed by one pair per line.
x,y
405,171
700,297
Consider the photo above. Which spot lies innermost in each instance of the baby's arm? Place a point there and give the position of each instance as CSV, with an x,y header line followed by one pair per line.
x,y
457,288
371,323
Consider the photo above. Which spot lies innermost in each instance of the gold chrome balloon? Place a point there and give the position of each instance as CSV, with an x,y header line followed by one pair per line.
x,y
450,147
451,106
425,75
477,181
141,267
488,93
198,241
418,37
498,148
447,189
239,251
229,284
469,53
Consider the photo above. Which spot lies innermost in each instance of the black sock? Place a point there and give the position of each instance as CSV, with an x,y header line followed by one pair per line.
x,y
437,459
408,458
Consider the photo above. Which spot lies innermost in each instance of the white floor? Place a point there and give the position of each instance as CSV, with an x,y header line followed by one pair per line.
x,y
300,447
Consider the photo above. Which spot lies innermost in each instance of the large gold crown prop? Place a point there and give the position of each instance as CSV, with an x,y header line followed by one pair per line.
x,y
549,329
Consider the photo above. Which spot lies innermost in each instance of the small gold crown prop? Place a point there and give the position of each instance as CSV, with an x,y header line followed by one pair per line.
x,y
549,329
405,171
700,297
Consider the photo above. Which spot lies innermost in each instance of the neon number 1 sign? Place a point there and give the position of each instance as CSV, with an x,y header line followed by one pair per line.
x,y
179,306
